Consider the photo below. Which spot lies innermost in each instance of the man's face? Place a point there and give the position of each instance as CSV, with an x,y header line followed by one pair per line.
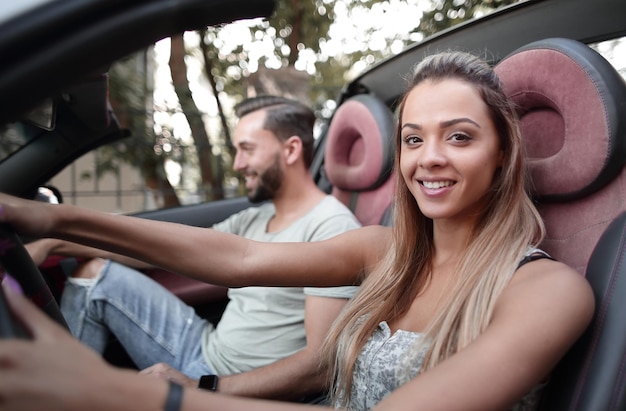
x,y
259,157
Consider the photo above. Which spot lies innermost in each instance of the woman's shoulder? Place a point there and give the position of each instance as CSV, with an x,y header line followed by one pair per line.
x,y
538,266
546,300
551,283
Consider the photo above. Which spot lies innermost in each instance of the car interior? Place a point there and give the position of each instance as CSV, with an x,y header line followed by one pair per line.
x,y
572,108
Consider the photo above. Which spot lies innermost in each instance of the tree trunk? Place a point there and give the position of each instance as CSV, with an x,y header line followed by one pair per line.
x,y
208,70
296,33
162,190
212,188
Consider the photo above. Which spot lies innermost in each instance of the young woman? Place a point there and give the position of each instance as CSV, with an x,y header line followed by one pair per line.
x,y
457,309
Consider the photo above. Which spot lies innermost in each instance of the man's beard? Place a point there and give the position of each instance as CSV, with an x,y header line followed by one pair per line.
x,y
269,182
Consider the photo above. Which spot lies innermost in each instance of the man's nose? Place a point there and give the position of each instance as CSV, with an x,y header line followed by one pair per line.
x,y
238,163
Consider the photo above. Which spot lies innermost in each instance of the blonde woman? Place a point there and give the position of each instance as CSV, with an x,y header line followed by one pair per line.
x,y
457,309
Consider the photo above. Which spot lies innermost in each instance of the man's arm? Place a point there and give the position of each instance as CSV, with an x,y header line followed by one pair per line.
x,y
291,378
299,374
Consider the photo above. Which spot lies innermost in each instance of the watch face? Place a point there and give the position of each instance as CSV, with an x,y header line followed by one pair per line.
x,y
208,382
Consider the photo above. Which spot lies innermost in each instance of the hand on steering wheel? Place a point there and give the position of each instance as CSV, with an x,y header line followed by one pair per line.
x,y
10,326
16,260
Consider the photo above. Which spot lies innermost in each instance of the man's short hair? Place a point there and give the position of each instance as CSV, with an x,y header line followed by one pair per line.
x,y
285,118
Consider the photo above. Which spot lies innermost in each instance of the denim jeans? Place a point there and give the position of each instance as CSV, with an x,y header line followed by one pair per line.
x,y
151,323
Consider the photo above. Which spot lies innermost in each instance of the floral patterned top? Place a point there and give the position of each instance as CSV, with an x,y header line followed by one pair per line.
x,y
376,368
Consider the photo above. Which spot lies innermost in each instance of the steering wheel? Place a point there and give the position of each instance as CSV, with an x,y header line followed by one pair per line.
x,y
17,262
10,325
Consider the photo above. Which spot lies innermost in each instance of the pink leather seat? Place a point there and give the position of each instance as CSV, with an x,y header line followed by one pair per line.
x,y
359,157
572,105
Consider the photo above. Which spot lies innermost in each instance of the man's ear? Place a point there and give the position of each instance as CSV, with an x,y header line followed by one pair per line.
x,y
293,149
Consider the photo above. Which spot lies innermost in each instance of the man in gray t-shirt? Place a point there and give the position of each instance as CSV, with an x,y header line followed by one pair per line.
x,y
267,342
274,315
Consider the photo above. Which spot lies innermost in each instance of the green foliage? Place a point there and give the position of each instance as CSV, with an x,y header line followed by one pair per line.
x,y
447,13
302,23
127,93
130,95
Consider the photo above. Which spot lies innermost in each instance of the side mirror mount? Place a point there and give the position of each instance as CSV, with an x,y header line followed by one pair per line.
x,y
42,116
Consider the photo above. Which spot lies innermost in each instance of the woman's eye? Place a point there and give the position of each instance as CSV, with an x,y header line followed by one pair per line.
x,y
460,137
412,140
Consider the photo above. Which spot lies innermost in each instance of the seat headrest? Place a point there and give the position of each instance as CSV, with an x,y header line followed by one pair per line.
x,y
359,149
570,103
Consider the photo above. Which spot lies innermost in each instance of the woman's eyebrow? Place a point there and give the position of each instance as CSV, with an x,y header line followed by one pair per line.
x,y
452,122
443,124
411,125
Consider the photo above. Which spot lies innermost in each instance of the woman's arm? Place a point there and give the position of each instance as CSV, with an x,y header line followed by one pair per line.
x,y
537,319
39,250
56,370
207,255
541,313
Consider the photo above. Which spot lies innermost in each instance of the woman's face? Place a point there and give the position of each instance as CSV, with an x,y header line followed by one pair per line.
x,y
449,149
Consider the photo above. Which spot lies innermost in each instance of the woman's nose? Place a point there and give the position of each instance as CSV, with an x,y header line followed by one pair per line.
x,y
432,154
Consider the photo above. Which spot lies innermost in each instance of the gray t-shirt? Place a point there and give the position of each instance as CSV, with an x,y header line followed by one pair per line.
x,y
264,324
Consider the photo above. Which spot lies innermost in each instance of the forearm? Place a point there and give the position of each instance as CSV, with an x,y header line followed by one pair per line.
x,y
125,390
64,248
291,378
175,247
196,400
30,370
207,255
121,392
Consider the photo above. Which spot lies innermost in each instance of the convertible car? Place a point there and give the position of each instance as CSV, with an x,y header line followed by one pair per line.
x,y
560,61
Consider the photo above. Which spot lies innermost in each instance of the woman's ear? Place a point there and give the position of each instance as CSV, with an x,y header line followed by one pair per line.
x,y
293,149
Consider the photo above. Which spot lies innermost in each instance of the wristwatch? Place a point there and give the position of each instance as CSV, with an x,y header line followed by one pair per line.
x,y
208,382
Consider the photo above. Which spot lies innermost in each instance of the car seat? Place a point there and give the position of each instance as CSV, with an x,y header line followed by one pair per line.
x,y
572,106
359,157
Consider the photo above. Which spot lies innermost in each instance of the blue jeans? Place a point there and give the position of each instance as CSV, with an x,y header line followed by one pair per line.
x,y
151,323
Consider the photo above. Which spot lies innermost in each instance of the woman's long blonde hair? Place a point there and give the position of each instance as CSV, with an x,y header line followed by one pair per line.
x,y
506,228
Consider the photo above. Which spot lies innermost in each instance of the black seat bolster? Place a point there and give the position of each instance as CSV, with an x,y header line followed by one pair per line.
x,y
592,376
387,217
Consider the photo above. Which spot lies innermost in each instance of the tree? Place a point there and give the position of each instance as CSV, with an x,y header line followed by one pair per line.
x,y
211,186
